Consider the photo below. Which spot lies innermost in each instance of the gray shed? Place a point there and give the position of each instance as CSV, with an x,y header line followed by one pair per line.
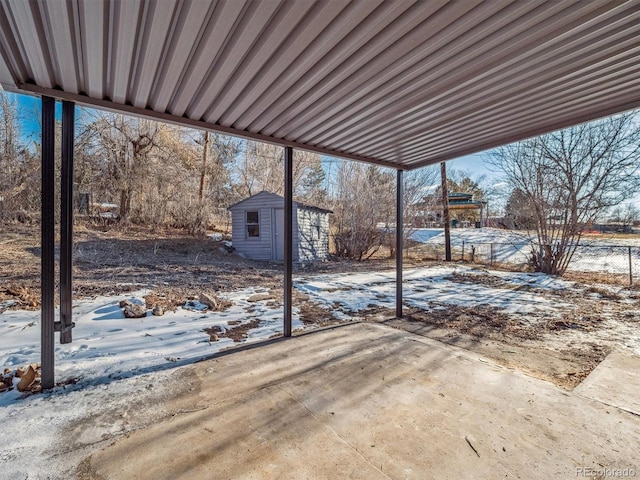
x,y
257,229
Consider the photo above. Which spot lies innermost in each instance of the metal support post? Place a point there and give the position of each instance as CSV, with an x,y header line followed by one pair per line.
x,y
47,243
446,220
66,222
630,268
288,237
399,241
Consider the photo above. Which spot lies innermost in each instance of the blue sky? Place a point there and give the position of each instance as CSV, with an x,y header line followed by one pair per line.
x,y
476,164
29,112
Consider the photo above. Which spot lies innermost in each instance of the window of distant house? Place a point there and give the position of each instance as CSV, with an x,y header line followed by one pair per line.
x,y
253,224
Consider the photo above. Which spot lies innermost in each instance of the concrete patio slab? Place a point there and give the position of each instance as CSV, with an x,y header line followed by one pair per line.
x,y
615,382
369,401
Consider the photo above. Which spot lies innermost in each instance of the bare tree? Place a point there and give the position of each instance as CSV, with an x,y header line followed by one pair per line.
x,y
625,216
418,185
218,153
9,164
157,174
126,144
19,166
519,209
364,201
570,177
363,205
203,172
9,135
260,167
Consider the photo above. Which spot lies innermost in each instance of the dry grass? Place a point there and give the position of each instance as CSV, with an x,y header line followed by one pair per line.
x,y
176,267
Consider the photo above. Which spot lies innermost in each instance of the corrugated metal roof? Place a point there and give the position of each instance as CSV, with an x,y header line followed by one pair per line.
x,y
402,83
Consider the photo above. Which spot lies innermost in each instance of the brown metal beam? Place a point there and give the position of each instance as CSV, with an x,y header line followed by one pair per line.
x,y
288,238
399,241
102,104
445,211
47,253
66,222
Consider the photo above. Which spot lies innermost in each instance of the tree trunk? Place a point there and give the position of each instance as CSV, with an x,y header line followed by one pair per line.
x,y
125,204
203,172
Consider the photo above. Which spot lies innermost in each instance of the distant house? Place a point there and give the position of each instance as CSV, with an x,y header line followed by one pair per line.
x,y
612,227
257,229
428,213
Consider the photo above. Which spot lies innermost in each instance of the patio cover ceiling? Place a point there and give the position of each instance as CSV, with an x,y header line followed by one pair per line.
x,y
399,83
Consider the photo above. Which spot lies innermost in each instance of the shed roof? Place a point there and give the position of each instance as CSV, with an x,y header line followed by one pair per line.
x,y
266,196
401,83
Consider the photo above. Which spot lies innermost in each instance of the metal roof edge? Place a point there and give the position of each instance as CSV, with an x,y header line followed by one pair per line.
x,y
603,113
27,88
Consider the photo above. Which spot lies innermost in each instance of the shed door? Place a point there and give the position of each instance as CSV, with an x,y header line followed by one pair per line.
x,y
278,237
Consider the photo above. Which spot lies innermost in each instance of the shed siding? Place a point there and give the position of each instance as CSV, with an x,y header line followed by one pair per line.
x,y
308,245
259,248
313,233
296,236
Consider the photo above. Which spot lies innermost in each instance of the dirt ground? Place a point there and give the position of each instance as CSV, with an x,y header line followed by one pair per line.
x,y
177,267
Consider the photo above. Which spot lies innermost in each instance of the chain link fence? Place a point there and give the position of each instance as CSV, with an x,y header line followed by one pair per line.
x,y
618,263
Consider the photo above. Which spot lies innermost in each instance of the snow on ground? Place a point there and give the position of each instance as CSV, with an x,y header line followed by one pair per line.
x,y
30,446
469,236
594,254
107,345
432,287
120,361
504,246
531,298
115,361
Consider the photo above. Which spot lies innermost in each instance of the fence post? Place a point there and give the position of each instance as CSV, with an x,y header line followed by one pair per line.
x,y
463,250
630,268
491,257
